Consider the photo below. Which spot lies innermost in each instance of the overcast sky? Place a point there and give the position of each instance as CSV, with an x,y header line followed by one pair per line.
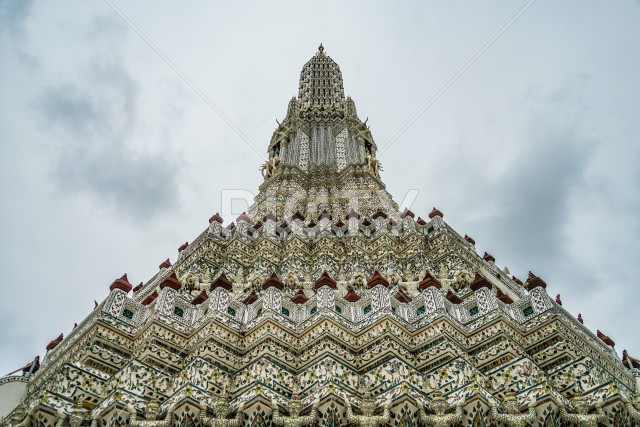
x,y
109,161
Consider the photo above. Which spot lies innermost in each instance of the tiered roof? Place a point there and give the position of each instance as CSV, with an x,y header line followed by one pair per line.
x,y
315,295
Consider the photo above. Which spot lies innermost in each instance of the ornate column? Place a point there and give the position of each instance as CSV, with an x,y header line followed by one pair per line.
x,y
439,405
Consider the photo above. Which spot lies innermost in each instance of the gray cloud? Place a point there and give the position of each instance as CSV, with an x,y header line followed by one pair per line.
x,y
94,123
12,16
533,194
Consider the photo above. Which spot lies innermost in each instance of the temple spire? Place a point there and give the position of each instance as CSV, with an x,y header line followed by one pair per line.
x,y
321,138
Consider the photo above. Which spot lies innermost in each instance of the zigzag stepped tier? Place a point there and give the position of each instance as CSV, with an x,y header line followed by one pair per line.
x,y
321,306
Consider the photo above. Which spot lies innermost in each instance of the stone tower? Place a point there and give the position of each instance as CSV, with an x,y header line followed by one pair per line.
x,y
325,156
326,305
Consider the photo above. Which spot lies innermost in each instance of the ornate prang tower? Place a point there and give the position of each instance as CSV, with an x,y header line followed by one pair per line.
x,y
326,305
324,155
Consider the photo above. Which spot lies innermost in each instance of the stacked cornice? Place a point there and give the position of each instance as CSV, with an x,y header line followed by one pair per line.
x,y
477,349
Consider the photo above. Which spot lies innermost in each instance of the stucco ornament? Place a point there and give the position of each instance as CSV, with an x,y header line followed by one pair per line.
x,y
633,406
461,278
582,418
374,165
368,408
20,417
221,410
151,413
270,167
77,416
295,406
511,415
439,405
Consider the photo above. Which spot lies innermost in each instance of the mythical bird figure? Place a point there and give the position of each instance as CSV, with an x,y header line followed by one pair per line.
x,y
439,405
633,406
151,413
221,410
368,407
512,416
374,165
269,167
295,406
582,418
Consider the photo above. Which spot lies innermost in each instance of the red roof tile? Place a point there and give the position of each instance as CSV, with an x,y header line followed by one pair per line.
x,y
243,217
299,297
480,282
137,288
534,281
503,297
325,280
453,298
605,339
436,212
380,214
377,279
402,296
429,281
273,280
351,295
221,282
217,218
406,213
251,298
202,297
629,361
150,298
53,344
121,283
171,282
